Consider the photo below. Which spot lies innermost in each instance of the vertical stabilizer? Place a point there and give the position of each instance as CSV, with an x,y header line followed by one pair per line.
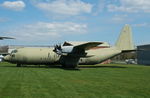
x,y
125,41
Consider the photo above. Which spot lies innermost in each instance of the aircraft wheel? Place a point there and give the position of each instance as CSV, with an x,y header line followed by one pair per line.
x,y
63,66
18,65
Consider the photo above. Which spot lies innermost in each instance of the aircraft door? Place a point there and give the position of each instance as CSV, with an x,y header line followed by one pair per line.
x,y
50,57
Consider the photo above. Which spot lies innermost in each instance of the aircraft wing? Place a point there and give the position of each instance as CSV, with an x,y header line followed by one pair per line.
x,y
2,38
71,54
85,46
77,50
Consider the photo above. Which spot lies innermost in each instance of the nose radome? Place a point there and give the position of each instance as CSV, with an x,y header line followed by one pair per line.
x,y
6,58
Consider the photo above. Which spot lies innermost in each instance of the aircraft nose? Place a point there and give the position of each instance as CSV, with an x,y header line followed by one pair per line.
x,y
6,58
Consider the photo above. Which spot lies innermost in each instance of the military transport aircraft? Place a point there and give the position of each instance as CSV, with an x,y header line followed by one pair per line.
x,y
71,54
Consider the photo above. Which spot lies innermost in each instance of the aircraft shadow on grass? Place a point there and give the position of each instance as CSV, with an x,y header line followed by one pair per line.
x,y
58,66
100,66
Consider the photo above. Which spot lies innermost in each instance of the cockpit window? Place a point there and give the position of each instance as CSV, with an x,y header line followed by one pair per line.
x,y
14,51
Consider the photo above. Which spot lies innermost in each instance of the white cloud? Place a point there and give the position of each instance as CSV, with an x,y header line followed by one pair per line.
x,y
99,7
13,5
142,25
131,6
46,31
65,7
120,19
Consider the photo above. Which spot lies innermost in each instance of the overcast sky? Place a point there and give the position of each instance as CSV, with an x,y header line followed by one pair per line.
x,y
48,22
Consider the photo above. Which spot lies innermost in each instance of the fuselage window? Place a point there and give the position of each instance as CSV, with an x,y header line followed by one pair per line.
x,y
14,51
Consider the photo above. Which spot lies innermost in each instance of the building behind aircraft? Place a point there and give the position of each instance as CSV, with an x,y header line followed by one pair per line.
x,y
4,49
143,54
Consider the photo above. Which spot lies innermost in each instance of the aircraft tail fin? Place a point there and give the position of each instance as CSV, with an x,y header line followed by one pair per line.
x,y
125,41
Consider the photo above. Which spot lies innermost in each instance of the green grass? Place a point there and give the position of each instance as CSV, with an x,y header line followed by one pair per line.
x,y
100,81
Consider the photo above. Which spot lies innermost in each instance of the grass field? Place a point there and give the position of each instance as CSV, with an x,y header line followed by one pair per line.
x,y
100,81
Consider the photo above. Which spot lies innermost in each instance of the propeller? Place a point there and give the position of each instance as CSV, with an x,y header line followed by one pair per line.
x,y
57,49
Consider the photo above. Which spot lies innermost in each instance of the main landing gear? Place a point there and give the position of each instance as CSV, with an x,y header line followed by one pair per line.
x,y
18,65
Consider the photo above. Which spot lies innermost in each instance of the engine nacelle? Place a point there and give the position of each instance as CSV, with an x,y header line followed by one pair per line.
x,y
66,49
63,50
